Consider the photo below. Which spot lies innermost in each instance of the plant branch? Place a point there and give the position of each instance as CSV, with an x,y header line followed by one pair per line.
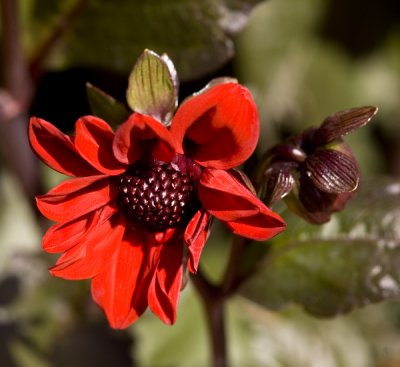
x,y
64,23
16,77
15,99
231,277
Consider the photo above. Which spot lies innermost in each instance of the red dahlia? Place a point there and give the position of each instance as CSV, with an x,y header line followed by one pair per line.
x,y
143,196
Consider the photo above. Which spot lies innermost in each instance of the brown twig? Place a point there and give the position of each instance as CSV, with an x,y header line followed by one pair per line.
x,y
16,77
63,25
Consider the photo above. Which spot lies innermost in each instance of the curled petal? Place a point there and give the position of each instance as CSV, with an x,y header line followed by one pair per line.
x,y
227,199
333,171
93,140
139,133
92,254
261,226
75,198
120,288
166,283
224,196
341,123
219,127
195,237
63,236
57,150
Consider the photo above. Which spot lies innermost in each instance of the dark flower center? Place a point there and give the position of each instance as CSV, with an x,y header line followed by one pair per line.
x,y
159,196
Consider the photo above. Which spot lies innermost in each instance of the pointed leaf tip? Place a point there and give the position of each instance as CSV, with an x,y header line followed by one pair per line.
x,y
153,87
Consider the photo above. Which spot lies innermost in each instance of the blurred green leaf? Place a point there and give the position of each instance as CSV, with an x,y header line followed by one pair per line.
x,y
349,262
195,34
152,87
186,343
106,107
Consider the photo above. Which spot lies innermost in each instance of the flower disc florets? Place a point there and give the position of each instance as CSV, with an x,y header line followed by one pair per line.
x,y
157,195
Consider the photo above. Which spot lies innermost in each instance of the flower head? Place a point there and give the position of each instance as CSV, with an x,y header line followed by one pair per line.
x,y
140,202
316,172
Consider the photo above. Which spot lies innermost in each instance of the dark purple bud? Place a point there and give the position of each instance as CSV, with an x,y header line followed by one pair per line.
x,y
341,123
310,213
317,205
278,182
332,171
341,200
288,152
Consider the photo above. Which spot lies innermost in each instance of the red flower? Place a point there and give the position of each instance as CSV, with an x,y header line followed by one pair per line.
x,y
143,196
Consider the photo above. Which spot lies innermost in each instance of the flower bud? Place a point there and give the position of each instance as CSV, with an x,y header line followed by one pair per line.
x,y
315,172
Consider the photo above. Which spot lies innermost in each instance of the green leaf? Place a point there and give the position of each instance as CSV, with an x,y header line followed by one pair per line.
x,y
106,107
197,35
153,87
350,262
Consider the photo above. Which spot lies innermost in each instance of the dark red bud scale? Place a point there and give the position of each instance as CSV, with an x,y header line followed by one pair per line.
x,y
288,152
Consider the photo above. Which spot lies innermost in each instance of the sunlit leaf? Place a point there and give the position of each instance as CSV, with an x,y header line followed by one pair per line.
x,y
152,87
350,262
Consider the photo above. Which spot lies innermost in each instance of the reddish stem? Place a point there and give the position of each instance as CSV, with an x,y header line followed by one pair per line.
x,y
213,301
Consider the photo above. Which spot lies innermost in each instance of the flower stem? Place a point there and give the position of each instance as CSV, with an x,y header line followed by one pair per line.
x,y
229,283
213,302
216,324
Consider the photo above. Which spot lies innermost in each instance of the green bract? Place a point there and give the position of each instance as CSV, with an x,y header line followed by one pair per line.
x,y
153,87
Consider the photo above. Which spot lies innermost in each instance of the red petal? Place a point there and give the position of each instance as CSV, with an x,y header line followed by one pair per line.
x,y
262,226
88,258
220,126
57,150
61,237
75,198
227,199
93,140
196,235
166,283
121,289
139,133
